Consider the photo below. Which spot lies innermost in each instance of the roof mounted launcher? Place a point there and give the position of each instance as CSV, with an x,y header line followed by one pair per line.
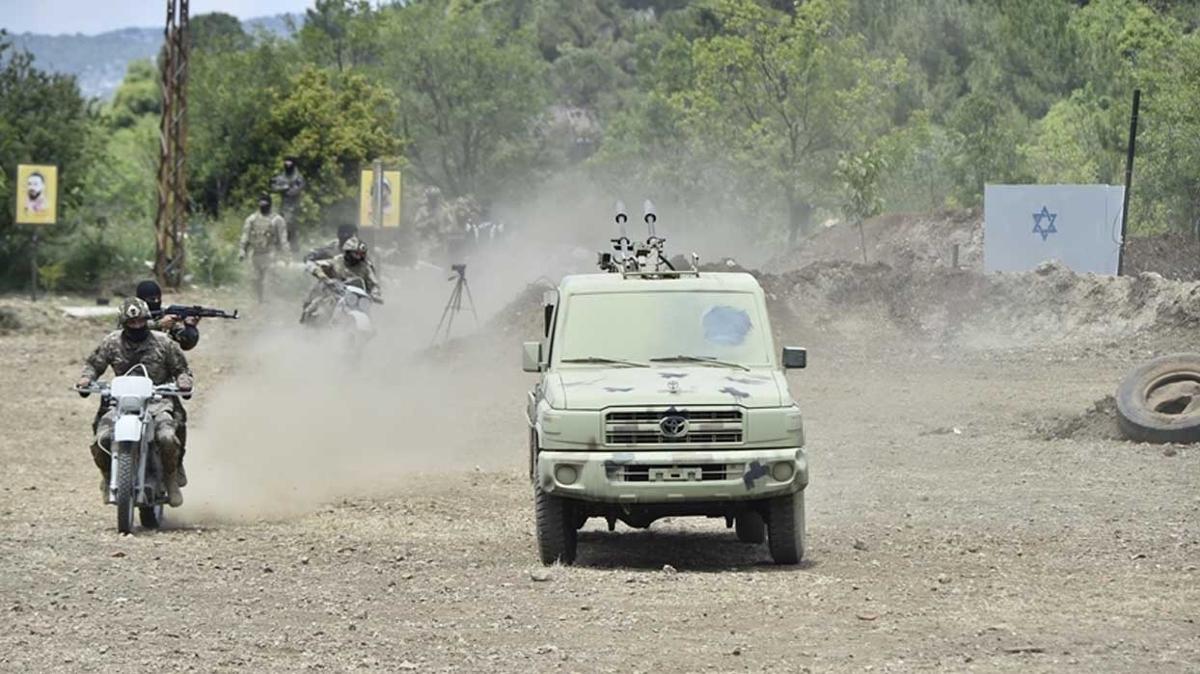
x,y
646,259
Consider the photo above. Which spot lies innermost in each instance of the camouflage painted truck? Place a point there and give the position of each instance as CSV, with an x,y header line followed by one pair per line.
x,y
661,395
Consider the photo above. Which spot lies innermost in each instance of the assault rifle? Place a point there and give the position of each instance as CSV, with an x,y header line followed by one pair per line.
x,y
184,311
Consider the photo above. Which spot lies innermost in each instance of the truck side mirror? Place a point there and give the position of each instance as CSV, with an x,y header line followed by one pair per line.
x,y
547,316
794,358
531,360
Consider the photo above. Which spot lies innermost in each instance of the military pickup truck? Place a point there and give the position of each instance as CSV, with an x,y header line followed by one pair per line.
x,y
662,395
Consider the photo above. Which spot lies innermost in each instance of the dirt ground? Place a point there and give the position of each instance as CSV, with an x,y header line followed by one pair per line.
x,y
394,531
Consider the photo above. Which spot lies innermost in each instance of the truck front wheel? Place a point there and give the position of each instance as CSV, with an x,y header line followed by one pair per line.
x,y
556,533
785,530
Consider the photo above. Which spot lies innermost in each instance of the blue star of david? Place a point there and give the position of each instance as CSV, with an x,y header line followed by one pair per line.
x,y
1048,229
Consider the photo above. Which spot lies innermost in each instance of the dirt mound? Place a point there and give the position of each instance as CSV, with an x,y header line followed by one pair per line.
x,y
1174,255
522,317
1098,422
1002,309
42,317
928,241
903,240
847,302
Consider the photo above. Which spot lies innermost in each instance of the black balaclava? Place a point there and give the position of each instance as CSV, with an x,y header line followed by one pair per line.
x,y
264,206
151,294
136,334
289,165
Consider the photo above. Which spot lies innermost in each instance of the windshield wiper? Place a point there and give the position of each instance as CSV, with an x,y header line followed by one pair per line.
x,y
596,360
708,360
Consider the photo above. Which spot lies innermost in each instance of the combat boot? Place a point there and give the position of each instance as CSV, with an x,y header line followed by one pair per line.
x,y
181,475
174,494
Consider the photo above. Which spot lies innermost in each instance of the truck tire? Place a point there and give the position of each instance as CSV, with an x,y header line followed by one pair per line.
x,y
785,530
750,527
556,533
125,496
1159,401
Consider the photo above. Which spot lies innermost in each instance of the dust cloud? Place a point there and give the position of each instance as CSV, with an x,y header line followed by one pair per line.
x,y
294,423
298,421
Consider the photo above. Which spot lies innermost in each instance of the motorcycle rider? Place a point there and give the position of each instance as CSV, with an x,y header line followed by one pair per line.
x,y
135,343
351,264
184,331
334,247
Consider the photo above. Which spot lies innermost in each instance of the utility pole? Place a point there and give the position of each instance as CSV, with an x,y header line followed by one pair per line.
x,y
170,221
1133,128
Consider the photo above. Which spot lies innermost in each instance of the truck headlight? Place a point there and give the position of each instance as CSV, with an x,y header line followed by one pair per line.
x,y
782,471
565,473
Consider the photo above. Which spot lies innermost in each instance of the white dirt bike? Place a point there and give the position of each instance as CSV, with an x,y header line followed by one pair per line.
x,y
136,479
351,313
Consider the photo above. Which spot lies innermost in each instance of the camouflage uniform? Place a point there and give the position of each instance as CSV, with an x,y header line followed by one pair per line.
x,y
263,235
289,184
185,334
434,220
320,300
165,363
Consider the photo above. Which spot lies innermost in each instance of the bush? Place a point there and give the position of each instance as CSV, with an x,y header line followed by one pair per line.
x,y
212,252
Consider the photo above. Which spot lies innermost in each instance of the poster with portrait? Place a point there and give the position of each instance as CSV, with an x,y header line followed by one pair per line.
x,y
37,194
390,199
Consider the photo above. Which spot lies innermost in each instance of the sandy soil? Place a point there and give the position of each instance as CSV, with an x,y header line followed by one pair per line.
x,y
944,534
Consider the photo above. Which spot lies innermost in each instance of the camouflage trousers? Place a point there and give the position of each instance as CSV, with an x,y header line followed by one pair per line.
x,y
260,264
166,436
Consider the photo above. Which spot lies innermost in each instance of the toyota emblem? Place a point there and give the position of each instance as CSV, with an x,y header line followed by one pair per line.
x,y
673,426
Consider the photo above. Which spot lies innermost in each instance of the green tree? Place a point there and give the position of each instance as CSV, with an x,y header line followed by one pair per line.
x,y
139,95
987,132
217,32
469,96
1077,142
859,174
783,94
341,34
43,120
333,126
230,97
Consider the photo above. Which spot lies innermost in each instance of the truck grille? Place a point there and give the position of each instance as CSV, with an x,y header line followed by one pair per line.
x,y
642,427
679,473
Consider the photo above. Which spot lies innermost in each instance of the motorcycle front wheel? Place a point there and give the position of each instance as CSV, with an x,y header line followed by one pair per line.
x,y
124,459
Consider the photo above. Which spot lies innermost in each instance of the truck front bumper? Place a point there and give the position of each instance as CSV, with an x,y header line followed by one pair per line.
x,y
672,476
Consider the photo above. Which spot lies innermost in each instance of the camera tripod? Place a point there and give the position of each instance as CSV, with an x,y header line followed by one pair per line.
x,y
454,304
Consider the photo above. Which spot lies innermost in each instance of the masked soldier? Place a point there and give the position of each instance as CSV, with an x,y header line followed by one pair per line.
x,y
264,234
135,343
184,331
289,184
433,219
333,248
350,265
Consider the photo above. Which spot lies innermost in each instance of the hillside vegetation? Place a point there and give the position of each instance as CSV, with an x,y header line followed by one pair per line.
x,y
768,115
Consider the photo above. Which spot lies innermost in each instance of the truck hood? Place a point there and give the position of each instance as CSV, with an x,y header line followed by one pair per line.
x,y
597,388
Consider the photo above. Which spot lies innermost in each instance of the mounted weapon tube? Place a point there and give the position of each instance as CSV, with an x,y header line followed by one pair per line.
x,y
650,217
622,243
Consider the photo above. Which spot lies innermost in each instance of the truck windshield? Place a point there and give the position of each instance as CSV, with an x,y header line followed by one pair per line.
x,y
642,327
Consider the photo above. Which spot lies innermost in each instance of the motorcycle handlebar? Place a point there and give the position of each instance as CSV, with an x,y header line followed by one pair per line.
x,y
164,390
